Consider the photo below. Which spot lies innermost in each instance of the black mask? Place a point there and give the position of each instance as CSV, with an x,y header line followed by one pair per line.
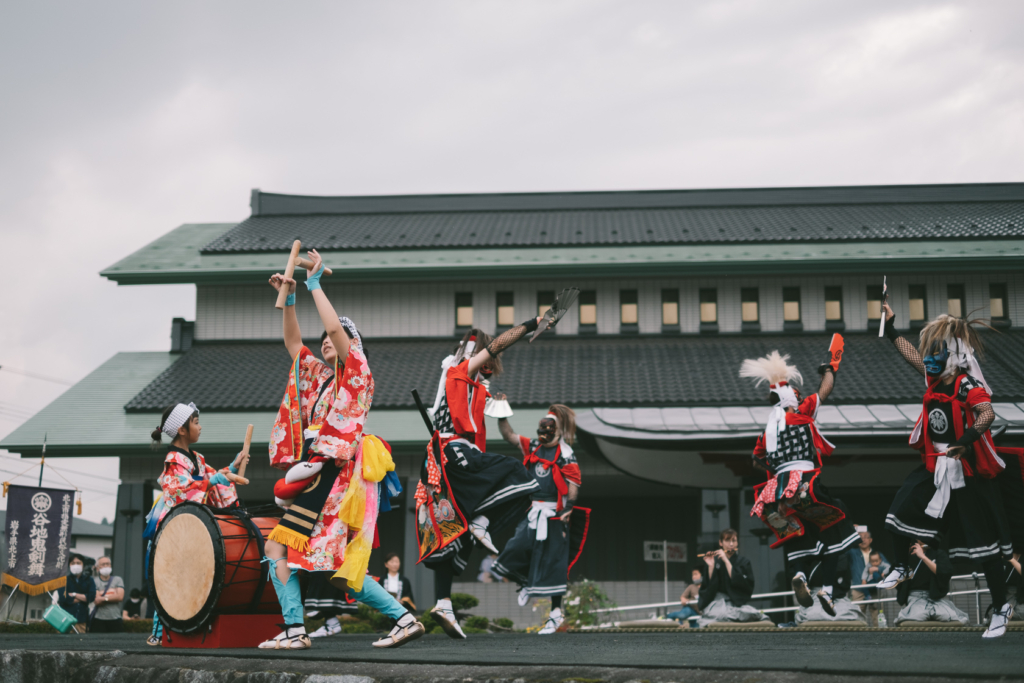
x,y
547,430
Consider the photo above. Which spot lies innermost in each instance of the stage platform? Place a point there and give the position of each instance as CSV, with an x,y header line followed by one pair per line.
x,y
784,656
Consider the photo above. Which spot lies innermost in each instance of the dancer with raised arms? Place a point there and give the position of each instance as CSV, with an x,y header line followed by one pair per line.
x,y
952,499
809,523
332,486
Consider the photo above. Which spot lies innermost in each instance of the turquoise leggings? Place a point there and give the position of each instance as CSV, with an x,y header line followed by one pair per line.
x,y
290,597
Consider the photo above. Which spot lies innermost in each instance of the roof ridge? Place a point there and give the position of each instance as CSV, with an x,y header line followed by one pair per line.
x,y
279,204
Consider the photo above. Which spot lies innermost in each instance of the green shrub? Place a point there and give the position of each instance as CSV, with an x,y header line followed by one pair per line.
x,y
380,622
463,601
504,622
476,622
138,625
471,630
435,630
581,598
356,627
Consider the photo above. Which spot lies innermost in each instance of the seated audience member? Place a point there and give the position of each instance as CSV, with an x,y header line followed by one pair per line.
x,y
923,597
727,584
397,584
860,562
689,600
78,593
133,607
106,612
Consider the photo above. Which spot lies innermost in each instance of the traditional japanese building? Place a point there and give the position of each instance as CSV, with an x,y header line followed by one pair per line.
x,y
678,287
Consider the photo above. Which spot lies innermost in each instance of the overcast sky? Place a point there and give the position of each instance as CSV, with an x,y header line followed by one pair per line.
x,y
121,121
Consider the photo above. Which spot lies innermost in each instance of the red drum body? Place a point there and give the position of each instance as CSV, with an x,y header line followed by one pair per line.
x,y
207,561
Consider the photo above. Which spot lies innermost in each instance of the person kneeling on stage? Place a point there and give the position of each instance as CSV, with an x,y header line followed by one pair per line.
x,y
727,585
923,597
537,557
688,601
332,486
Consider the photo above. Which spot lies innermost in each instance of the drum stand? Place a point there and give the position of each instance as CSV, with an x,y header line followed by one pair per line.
x,y
227,631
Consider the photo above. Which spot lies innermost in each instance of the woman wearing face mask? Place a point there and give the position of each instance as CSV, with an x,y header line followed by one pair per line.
x,y
331,464
489,489
79,592
537,557
953,495
106,610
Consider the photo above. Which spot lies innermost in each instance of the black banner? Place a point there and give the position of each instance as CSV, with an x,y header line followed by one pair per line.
x,y
38,536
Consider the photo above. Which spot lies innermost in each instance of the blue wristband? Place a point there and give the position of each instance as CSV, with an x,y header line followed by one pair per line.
x,y
290,301
313,281
232,469
219,479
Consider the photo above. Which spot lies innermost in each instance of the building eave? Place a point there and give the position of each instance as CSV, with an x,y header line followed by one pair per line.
x,y
172,264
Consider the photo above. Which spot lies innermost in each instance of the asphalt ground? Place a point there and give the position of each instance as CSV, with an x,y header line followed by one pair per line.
x,y
874,654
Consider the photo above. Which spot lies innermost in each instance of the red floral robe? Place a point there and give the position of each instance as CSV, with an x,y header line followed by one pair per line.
x,y
338,418
179,483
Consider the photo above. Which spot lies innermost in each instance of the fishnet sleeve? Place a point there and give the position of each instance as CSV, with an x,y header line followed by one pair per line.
x,y
506,339
983,417
909,353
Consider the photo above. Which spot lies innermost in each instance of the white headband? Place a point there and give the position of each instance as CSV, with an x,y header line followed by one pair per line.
x,y
178,417
553,417
353,332
777,418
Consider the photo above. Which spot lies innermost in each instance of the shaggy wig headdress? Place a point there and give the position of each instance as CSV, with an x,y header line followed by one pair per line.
x,y
774,369
962,340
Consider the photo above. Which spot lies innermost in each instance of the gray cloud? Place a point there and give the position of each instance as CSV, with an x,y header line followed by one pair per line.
x,y
123,120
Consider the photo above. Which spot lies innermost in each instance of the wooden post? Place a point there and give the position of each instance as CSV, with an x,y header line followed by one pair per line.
x,y
289,271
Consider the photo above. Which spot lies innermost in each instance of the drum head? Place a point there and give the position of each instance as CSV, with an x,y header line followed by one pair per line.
x,y
187,567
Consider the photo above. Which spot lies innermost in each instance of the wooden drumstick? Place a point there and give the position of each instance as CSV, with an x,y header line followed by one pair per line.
x,y
289,270
245,451
307,264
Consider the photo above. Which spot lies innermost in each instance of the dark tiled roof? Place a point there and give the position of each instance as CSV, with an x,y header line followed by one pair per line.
x,y
580,371
614,218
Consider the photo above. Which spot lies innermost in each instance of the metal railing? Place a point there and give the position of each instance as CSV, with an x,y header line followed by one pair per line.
x,y
977,591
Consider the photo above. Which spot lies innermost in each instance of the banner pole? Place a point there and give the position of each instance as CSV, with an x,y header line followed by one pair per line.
x,y
664,555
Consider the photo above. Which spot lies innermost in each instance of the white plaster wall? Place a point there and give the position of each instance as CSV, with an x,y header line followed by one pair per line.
x,y
428,309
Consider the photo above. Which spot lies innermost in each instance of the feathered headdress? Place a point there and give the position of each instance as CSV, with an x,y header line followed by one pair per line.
x,y
773,369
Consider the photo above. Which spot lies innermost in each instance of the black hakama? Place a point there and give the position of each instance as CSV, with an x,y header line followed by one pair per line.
x,y
973,525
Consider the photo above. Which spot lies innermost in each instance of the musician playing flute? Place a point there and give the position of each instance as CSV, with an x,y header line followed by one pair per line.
x,y
333,473
187,477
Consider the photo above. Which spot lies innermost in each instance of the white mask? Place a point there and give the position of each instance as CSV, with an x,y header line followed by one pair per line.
x,y
105,572
76,569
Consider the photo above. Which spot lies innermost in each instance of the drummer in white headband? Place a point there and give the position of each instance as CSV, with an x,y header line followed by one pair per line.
x,y
537,557
186,476
808,521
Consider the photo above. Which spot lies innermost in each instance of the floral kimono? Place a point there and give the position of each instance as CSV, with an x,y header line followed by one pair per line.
x,y
321,420
180,482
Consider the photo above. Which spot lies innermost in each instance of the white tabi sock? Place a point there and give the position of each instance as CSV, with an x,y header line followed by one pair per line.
x,y
333,622
406,619
445,604
557,612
